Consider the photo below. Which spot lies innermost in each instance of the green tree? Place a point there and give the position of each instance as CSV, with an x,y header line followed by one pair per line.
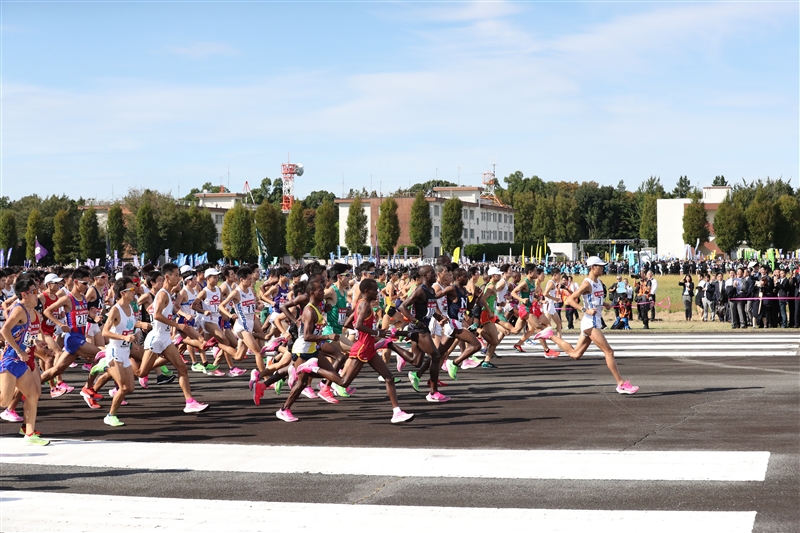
x,y
567,219
62,237
173,229
296,232
452,225
90,246
388,226
355,235
525,206
683,188
760,216
32,231
237,233
8,230
719,181
695,223
115,228
544,226
317,198
648,227
147,232
729,225
420,224
595,205
787,225
272,225
326,233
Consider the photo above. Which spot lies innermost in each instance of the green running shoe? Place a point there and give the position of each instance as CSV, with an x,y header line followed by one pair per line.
x,y
414,379
198,367
452,369
210,368
99,368
35,440
112,420
341,391
166,371
279,386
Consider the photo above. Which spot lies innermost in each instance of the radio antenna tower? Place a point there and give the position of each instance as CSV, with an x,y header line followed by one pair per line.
x,y
489,183
288,172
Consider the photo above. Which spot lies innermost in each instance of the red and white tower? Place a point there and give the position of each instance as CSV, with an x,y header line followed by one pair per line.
x,y
489,182
288,172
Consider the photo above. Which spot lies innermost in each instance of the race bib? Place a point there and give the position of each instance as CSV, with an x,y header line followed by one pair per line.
x,y
342,316
82,320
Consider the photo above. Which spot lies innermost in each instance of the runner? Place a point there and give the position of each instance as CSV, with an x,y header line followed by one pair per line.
x,y
158,342
17,370
247,326
527,293
119,330
455,296
592,294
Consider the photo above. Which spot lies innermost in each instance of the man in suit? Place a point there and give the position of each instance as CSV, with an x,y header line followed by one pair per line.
x,y
722,300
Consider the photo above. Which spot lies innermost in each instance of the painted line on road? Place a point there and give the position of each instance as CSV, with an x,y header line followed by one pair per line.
x,y
647,352
461,463
75,512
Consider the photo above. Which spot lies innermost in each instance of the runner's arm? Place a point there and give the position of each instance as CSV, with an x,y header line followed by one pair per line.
x,y
50,312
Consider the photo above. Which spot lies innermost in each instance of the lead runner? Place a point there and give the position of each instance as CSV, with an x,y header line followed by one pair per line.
x,y
592,294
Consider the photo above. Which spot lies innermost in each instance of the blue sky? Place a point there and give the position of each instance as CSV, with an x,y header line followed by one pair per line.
x,y
105,96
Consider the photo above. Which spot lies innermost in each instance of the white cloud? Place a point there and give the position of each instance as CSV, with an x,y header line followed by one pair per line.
x,y
203,50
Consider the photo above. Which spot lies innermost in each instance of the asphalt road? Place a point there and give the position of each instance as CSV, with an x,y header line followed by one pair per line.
x,y
709,404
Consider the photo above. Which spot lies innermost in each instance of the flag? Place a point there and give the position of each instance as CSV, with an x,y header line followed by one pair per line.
x,y
108,247
377,250
40,251
141,259
484,258
338,251
166,256
96,262
456,254
263,252
331,257
405,253
544,246
116,259
3,258
8,257
523,256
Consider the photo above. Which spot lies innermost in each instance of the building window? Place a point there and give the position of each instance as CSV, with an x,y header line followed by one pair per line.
x,y
436,251
494,235
472,234
436,210
436,231
472,214
494,217
506,234
218,219
510,219
465,233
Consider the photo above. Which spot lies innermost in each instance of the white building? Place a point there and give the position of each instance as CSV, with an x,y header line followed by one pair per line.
x,y
484,221
219,203
669,218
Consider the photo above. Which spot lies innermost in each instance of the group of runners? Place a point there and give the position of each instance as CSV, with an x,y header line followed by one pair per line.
x,y
311,329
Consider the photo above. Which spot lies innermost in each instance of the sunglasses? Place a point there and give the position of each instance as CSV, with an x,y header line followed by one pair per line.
x,y
81,282
129,289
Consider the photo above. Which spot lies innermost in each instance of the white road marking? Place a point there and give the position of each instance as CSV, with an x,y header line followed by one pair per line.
x,y
462,463
79,512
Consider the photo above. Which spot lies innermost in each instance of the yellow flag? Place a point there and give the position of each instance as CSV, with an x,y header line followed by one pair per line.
x,y
523,256
456,254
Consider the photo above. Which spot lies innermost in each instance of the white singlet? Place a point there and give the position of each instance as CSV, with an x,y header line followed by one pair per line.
x,y
593,300
117,350
245,311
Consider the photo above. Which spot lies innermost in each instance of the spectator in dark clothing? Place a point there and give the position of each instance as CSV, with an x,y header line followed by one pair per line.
x,y
710,300
796,293
782,290
688,293
763,288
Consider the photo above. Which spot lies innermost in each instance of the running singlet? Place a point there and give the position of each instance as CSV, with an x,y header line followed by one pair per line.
x,y
424,310
186,304
593,300
49,327
458,308
364,347
32,335
211,303
338,313
159,328
20,334
246,309
280,298
125,327
301,346
78,316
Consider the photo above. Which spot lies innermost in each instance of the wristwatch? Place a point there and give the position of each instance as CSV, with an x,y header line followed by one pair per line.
x,y
583,309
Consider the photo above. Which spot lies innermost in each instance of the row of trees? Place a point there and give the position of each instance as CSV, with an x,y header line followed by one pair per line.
x,y
762,215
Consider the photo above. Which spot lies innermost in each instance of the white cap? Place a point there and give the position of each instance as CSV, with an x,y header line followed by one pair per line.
x,y
304,277
211,272
119,276
594,260
186,268
494,271
52,278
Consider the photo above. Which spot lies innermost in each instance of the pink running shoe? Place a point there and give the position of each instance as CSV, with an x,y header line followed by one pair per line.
x,y
193,406
272,346
285,415
292,376
437,397
143,382
551,354
546,333
327,394
177,340
87,367
236,372
444,365
627,388
309,367
400,363
383,343
66,388
10,415
258,392
217,373
73,364
399,417
308,392
56,392
209,343
100,355
469,363
253,378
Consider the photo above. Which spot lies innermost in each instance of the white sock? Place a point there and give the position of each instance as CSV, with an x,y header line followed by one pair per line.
x,y
396,410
